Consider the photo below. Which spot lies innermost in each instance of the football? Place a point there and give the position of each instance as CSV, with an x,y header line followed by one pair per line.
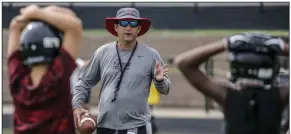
x,y
87,124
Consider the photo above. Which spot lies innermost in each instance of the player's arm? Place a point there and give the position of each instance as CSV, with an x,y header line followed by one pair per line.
x,y
189,63
15,66
16,26
284,87
286,52
284,93
70,25
286,46
60,10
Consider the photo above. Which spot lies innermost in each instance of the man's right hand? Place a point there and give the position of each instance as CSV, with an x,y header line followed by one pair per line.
x,y
77,115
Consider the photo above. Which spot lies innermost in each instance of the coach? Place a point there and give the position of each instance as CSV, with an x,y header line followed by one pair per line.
x,y
125,69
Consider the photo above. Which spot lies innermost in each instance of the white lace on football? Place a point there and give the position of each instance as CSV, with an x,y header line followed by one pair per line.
x,y
85,119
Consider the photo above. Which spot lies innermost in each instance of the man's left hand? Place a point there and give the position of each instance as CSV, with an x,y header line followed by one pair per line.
x,y
160,71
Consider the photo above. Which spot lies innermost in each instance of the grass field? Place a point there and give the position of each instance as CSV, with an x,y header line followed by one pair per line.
x,y
7,131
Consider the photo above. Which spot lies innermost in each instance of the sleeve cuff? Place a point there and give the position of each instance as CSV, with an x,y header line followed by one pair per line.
x,y
159,81
78,104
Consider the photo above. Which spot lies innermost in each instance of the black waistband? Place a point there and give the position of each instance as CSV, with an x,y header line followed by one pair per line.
x,y
104,130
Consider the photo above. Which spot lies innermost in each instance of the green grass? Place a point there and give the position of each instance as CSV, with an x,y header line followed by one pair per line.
x,y
192,32
7,131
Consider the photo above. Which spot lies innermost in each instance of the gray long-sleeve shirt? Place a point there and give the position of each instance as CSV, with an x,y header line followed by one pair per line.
x,y
130,109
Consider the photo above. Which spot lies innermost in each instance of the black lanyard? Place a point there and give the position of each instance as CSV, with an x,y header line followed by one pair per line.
x,y
121,70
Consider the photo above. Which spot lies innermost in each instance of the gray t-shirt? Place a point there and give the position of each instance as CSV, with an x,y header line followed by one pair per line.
x,y
130,109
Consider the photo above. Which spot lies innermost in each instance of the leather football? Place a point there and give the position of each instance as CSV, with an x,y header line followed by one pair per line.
x,y
87,124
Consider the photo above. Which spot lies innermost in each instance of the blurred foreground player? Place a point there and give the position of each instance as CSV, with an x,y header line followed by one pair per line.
x,y
41,57
252,103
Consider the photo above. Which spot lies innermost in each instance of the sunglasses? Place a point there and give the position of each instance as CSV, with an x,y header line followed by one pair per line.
x,y
125,23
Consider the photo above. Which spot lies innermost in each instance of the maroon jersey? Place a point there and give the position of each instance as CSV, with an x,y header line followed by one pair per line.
x,y
46,108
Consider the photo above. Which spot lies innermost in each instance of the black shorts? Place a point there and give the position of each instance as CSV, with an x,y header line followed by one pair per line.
x,y
253,111
139,130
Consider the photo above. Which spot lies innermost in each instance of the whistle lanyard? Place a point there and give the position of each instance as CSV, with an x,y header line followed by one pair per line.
x,y
121,70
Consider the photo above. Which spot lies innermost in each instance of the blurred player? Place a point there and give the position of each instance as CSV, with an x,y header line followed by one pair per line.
x,y
41,57
252,103
154,99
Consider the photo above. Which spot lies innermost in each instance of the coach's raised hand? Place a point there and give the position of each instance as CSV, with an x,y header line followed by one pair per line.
x,y
160,71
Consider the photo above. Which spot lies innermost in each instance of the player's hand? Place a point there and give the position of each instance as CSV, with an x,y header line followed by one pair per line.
x,y
77,115
255,42
63,10
18,23
236,42
29,12
160,71
276,45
